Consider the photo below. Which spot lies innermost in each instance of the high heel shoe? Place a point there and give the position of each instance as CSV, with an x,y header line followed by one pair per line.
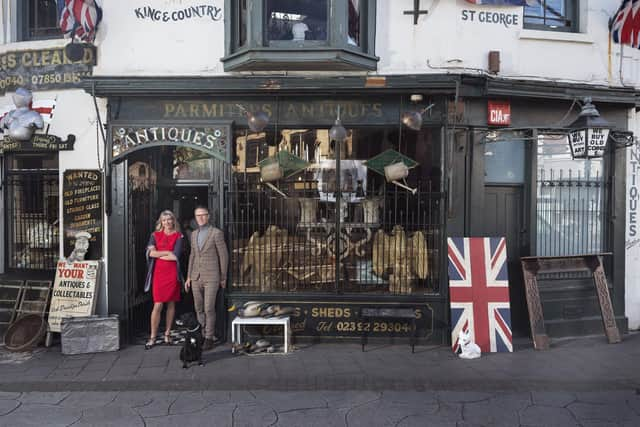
x,y
149,344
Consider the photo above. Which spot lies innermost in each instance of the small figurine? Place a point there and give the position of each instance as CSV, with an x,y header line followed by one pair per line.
x,y
22,121
469,349
80,248
299,31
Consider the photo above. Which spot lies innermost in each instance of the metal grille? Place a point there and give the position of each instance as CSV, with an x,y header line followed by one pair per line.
x,y
32,226
571,211
391,241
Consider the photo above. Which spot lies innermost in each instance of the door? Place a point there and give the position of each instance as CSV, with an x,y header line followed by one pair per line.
x,y
504,215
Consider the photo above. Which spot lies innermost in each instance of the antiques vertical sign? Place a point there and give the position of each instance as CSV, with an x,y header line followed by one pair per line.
x,y
82,209
74,291
632,243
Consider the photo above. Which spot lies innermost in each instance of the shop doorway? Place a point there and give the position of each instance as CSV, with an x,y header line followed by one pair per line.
x,y
153,180
505,216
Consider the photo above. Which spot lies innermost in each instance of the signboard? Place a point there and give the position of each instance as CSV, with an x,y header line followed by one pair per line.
x,y
498,113
319,319
212,140
74,291
83,209
38,143
588,142
44,69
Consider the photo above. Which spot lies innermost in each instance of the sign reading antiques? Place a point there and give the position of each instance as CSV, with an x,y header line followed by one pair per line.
x,y
44,69
37,143
82,209
344,319
210,140
74,291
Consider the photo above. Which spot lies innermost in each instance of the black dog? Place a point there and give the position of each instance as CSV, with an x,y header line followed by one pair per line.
x,y
191,350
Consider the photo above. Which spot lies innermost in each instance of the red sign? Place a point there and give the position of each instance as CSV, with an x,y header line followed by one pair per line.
x,y
498,113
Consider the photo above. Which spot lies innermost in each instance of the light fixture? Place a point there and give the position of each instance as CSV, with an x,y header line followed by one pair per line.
x,y
255,120
413,119
589,133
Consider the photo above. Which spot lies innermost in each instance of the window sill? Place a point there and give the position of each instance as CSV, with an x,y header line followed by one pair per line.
x,y
307,59
558,36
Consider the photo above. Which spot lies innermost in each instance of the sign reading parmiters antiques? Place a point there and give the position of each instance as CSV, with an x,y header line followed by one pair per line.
x,y
44,69
74,291
212,140
82,209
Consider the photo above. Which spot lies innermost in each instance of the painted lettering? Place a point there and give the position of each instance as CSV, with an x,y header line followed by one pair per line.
x,y
202,11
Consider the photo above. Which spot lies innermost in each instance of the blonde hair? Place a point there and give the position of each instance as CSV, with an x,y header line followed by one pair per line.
x,y
167,213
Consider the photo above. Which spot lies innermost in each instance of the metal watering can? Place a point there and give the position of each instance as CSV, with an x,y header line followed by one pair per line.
x,y
398,171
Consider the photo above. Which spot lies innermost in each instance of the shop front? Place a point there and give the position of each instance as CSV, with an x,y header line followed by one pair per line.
x,y
288,241
335,242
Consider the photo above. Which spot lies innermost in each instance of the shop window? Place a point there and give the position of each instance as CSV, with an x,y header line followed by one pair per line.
x,y
571,201
32,220
283,236
38,19
552,15
301,34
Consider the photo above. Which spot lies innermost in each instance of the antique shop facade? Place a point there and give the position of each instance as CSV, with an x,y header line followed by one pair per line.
x,y
193,145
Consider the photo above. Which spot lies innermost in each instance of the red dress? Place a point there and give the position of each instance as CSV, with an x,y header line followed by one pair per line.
x,y
165,285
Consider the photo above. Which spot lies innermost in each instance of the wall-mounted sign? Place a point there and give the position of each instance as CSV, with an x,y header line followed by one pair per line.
x,y
320,319
488,17
74,291
212,140
201,11
498,113
82,209
588,142
44,69
37,143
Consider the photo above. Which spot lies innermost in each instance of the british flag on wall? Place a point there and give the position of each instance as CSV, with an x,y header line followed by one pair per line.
x,y
625,24
79,18
479,292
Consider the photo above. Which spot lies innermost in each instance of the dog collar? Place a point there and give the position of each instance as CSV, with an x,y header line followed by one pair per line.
x,y
194,329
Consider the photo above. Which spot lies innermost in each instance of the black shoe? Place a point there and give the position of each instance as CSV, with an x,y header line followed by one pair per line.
x,y
208,344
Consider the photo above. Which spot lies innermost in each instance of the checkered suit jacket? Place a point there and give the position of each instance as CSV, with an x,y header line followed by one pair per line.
x,y
210,263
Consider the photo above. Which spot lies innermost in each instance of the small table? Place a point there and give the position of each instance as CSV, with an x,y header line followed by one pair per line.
x,y
239,321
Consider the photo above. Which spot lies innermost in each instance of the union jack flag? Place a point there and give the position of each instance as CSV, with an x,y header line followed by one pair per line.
x,y
479,292
501,2
625,24
79,18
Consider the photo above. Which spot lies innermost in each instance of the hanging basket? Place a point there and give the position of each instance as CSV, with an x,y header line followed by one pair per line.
x,y
25,333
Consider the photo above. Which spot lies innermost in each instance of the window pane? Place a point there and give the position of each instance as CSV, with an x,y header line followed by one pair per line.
x,y
504,162
297,20
43,19
354,23
570,200
242,23
551,13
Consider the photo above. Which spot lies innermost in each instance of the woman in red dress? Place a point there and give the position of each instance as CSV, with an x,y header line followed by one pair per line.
x,y
164,278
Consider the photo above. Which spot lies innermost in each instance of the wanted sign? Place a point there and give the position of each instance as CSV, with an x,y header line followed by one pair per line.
x,y
74,291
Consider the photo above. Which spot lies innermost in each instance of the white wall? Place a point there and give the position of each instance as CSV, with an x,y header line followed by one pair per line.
x,y
450,38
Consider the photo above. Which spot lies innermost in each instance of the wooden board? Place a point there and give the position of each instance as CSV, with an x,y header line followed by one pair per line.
x,y
10,293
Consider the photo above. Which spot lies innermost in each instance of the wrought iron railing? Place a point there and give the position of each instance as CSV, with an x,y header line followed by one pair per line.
x,y
390,241
571,213
32,221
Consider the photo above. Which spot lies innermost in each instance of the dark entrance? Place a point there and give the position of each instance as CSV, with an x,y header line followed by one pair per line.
x,y
155,179
505,216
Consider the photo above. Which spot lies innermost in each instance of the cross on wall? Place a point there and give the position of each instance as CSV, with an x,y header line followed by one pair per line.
x,y
416,12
